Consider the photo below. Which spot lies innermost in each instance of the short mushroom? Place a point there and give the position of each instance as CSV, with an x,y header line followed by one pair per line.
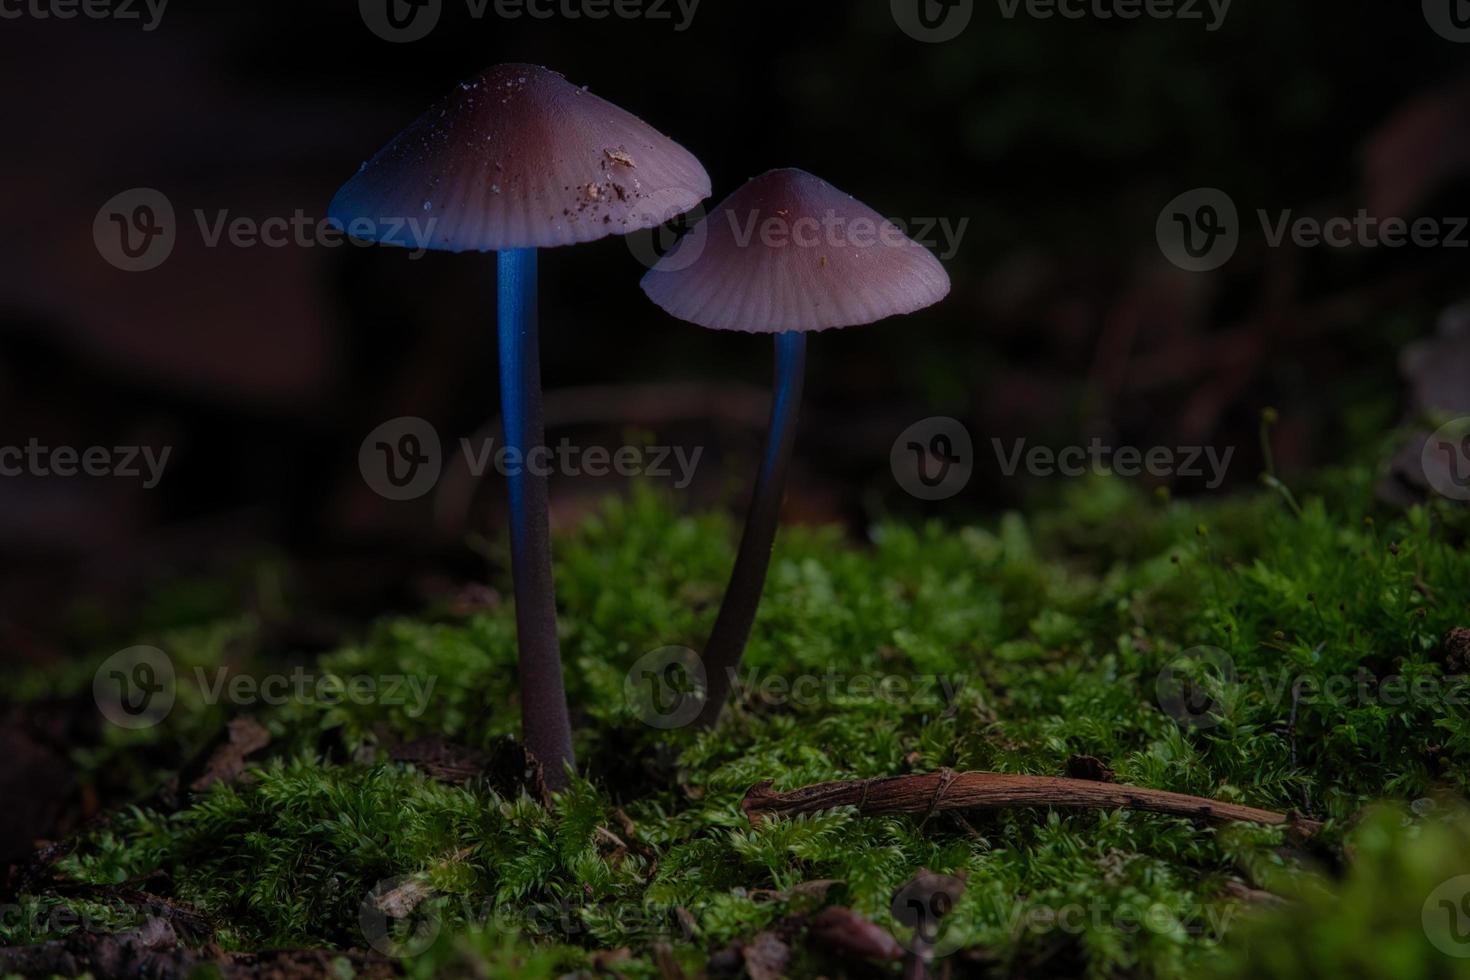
x,y
515,160
786,254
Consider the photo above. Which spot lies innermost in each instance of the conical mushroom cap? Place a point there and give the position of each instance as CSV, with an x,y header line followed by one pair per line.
x,y
519,158
788,251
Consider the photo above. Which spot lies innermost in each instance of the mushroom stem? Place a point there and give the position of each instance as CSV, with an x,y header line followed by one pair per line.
x,y
548,730
743,595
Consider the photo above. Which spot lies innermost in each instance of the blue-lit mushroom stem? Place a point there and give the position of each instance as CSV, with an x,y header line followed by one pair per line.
x,y
547,728
743,595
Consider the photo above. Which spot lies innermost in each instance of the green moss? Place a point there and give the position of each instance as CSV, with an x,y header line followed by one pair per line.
x,y
1007,648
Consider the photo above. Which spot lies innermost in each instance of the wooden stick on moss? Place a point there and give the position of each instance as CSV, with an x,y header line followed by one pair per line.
x,y
948,790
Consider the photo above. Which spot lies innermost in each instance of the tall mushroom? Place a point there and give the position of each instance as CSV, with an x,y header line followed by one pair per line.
x,y
515,160
786,254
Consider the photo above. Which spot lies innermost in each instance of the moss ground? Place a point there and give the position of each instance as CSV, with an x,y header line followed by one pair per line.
x,y
1245,649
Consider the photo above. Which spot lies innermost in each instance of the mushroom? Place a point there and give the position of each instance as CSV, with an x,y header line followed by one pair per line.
x,y
515,160
786,254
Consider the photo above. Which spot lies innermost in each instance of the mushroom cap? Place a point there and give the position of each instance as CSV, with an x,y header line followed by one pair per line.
x,y
788,251
519,157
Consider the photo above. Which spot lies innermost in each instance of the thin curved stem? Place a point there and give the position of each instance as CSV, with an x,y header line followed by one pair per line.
x,y
548,730
743,595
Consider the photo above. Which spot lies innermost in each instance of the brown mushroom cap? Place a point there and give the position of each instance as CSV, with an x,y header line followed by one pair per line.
x,y
788,251
520,158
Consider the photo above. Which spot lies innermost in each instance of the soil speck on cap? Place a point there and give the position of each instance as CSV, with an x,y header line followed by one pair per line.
x,y
620,156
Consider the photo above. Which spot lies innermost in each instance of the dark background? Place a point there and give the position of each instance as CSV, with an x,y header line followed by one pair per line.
x,y
1059,140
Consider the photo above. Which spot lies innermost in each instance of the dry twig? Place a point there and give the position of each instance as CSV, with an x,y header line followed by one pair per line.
x,y
948,790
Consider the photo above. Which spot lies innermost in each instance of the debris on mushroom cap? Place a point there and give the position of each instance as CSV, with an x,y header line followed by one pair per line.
x,y
519,158
788,251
